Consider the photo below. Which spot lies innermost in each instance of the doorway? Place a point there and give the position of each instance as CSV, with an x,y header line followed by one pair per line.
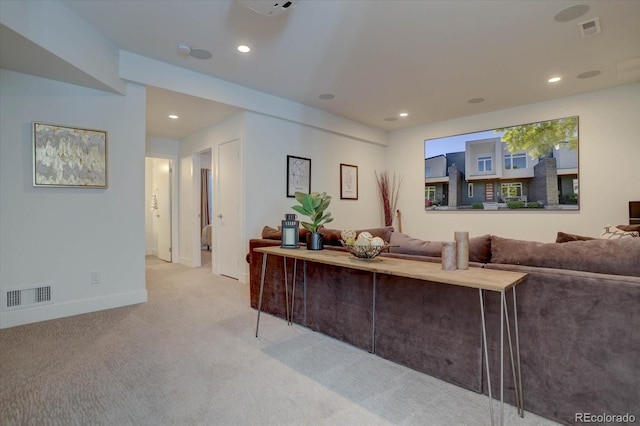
x,y
159,211
205,201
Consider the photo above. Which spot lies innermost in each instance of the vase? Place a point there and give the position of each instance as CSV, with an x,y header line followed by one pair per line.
x,y
315,241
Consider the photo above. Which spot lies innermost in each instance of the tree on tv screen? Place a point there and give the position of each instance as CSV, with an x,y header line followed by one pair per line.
x,y
539,139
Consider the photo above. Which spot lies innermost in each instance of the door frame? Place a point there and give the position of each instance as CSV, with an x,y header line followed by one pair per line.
x,y
195,185
175,247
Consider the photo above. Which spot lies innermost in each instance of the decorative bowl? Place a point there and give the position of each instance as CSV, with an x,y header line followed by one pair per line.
x,y
365,252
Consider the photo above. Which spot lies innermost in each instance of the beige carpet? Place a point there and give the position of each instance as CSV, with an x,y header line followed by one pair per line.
x,y
189,357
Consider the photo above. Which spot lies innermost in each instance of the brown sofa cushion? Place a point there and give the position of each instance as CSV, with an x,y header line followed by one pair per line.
x,y
563,237
479,247
617,257
404,244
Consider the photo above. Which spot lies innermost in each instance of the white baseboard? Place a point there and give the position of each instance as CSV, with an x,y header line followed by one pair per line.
x,y
66,309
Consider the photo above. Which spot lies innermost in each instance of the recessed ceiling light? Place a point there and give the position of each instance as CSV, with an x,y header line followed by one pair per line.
x,y
244,48
390,119
554,79
403,114
173,116
326,96
475,100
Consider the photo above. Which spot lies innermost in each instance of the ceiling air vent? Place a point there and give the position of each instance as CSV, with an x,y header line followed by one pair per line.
x,y
269,7
589,27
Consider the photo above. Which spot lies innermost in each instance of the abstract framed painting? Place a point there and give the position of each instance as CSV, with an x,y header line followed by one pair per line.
x,y
69,157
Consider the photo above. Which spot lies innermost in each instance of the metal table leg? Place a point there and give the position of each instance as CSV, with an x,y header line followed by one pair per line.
x,y
515,363
304,289
486,352
264,268
286,288
515,325
373,316
293,290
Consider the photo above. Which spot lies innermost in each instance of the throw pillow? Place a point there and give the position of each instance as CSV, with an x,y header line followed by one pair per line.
x,y
563,237
331,237
269,233
480,249
629,227
612,233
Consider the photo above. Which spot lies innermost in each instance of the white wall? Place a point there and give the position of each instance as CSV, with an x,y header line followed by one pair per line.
x,y
608,155
59,236
269,141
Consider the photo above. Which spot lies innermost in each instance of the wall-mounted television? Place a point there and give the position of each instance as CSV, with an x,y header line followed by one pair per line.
x,y
530,166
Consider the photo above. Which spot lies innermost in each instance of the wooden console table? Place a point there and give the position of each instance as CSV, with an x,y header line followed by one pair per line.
x,y
479,278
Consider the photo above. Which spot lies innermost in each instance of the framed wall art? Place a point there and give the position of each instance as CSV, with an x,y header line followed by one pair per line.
x,y
69,157
298,175
348,182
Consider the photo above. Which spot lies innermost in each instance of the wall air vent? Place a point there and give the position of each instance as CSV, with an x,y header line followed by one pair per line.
x,y
269,7
589,27
27,297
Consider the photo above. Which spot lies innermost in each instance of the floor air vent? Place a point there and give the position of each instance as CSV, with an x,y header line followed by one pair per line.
x,y
26,297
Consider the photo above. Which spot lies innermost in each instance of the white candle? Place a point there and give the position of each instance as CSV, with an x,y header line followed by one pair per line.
x,y
462,251
289,236
449,255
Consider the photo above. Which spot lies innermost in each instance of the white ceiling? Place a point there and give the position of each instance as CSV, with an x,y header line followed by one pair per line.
x,y
378,58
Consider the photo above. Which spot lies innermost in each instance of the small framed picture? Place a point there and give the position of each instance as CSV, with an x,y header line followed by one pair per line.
x,y
348,182
69,156
298,175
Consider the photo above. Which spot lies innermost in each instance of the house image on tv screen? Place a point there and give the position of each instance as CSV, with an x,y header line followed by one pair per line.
x,y
488,174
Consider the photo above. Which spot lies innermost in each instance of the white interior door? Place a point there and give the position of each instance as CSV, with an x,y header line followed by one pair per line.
x,y
228,238
162,180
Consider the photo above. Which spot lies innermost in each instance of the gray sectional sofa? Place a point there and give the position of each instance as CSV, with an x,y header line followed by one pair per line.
x,y
578,318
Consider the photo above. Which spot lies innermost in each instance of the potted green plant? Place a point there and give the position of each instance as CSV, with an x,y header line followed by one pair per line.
x,y
314,206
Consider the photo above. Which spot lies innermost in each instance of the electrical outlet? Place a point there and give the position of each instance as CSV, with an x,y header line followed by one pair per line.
x,y
96,278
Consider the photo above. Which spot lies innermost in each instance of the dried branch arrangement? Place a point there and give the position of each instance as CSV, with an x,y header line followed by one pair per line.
x,y
389,187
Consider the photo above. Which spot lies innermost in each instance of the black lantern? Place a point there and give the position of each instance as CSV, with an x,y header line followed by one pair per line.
x,y
290,231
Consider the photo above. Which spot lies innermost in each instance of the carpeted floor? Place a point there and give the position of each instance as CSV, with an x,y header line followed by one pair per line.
x,y
189,357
